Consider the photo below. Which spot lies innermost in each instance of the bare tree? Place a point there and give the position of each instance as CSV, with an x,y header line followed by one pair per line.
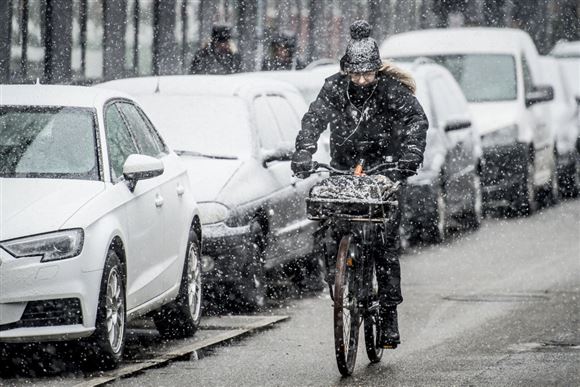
x,y
57,41
246,23
207,14
379,18
165,55
5,39
114,18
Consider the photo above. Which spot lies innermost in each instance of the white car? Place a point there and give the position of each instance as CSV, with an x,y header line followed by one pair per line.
x,y
446,191
98,222
236,134
563,119
498,70
568,55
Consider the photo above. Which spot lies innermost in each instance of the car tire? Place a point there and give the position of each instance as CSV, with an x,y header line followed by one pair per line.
x,y
474,215
436,230
252,289
569,179
525,203
106,345
181,317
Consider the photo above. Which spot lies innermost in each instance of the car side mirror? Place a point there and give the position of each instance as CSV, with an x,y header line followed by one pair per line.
x,y
457,124
539,94
578,100
283,153
141,167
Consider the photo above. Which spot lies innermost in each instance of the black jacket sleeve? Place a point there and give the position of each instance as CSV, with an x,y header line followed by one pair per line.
x,y
407,110
315,121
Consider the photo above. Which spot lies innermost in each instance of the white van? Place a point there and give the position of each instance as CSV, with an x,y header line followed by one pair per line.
x,y
498,71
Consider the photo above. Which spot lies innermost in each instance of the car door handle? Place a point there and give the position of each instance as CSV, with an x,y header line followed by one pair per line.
x,y
180,189
159,201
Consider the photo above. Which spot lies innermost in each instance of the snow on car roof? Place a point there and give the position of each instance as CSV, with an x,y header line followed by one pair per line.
x,y
56,95
455,41
219,85
564,49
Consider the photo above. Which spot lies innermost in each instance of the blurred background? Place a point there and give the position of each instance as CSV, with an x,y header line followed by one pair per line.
x,y
87,41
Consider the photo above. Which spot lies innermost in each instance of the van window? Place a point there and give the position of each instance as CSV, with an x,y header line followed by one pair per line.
x,y
528,83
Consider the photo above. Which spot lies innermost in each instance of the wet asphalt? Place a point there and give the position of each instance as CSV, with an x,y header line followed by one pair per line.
x,y
499,306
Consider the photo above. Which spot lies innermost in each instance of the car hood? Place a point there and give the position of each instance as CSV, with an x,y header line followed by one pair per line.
x,y
210,176
34,206
490,116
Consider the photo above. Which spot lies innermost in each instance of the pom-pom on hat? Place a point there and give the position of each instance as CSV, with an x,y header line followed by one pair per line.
x,y
362,52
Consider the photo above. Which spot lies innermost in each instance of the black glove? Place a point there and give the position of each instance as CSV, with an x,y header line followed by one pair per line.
x,y
406,169
301,163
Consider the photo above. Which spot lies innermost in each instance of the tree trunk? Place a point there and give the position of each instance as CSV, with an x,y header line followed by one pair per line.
x,y
165,53
247,19
378,19
5,39
114,18
316,28
58,41
493,11
207,12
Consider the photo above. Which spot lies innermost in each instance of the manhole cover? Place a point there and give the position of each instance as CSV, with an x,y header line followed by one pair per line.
x,y
497,298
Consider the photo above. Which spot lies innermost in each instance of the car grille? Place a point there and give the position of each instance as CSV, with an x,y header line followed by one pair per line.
x,y
46,313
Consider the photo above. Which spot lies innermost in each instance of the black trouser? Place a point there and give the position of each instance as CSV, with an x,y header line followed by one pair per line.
x,y
386,251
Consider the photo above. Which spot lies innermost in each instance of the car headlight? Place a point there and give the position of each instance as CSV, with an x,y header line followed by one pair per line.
x,y
503,136
51,246
213,212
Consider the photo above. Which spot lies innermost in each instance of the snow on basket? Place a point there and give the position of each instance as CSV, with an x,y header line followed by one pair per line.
x,y
369,197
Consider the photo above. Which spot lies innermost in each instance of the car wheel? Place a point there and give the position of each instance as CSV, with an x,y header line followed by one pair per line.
x,y
437,229
525,203
552,195
181,317
253,281
569,179
107,344
474,215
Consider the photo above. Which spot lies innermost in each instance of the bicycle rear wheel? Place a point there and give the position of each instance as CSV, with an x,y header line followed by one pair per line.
x,y
346,312
371,319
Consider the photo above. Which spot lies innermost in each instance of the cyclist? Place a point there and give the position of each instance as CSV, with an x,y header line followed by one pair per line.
x,y
369,102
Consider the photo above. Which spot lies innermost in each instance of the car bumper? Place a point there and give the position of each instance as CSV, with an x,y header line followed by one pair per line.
x,y
46,301
502,172
225,253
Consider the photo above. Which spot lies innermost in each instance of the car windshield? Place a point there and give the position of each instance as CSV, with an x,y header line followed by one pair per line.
x,y
482,77
204,124
48,142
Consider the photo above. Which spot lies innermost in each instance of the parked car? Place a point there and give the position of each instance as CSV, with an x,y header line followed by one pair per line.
x,y
446,191
568,55
498,70
563,119
236,134
309,82
98,226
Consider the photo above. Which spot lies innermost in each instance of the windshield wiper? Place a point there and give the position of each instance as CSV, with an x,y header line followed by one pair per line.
x,y
207,156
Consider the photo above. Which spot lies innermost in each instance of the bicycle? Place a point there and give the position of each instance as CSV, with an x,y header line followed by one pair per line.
x,y
355,206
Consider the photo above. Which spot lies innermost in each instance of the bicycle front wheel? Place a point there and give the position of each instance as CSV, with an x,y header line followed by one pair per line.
x,y
346,313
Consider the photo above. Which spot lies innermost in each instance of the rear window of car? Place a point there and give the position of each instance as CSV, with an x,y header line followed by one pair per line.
x,y
212,125
482,77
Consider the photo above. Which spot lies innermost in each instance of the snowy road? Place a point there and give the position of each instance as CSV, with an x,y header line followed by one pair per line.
x,y
500,306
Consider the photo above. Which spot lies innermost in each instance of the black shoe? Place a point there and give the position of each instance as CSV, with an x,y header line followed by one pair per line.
x,y
389,336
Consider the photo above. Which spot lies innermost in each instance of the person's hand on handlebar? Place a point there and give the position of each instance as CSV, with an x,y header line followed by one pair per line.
x,y
302,163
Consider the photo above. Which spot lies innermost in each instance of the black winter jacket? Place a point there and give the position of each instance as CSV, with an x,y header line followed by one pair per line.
x,y
393,122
